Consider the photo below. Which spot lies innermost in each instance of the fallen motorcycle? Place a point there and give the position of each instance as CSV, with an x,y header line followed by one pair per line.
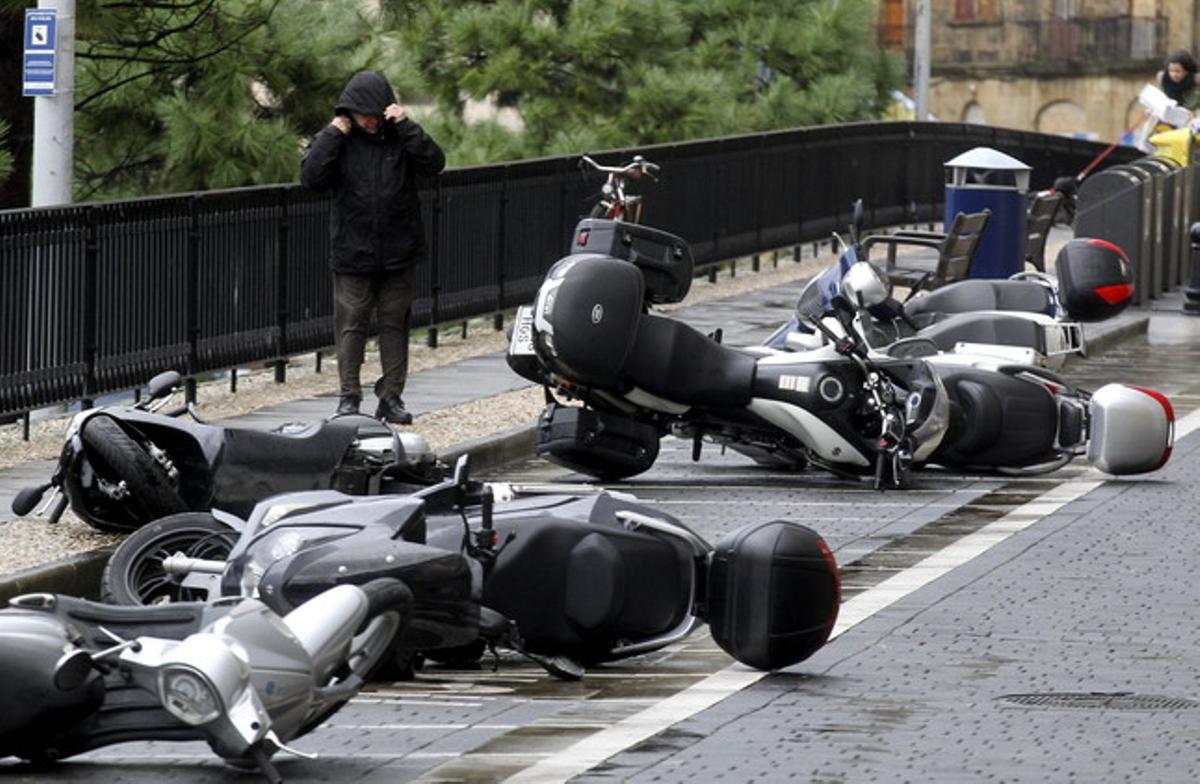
x,y
840,406
123,466
1031,319
81,675
567,579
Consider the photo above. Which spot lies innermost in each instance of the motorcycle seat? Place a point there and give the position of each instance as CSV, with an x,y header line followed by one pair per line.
x,y
996,328
677,362
973,295
318,446
998,420
174,621
574,585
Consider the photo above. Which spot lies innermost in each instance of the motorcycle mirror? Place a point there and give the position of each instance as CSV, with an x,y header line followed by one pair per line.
x,y
856,223
72,669
28,499
163,384
462,470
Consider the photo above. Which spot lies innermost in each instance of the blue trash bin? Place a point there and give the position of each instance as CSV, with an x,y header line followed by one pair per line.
x,y
986,178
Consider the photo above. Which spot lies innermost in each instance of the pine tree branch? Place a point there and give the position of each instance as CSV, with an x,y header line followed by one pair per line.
x,y
168,32
108,88
163,6
102,178
90,55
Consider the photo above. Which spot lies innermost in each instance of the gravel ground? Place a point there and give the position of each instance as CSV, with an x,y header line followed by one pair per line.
x,y
26,543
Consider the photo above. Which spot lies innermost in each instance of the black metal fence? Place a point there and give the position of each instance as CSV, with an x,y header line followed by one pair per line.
x,y
100,297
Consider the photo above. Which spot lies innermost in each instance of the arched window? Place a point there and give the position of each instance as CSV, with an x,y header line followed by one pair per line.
x,y
1062,117
973,113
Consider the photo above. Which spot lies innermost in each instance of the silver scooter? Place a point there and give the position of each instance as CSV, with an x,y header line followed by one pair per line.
x,y
80,675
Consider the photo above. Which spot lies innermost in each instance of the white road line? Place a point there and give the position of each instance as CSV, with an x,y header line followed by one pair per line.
x,y
594,749
415,727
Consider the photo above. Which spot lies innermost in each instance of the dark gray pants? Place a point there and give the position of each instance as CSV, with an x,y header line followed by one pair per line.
x,y
389,295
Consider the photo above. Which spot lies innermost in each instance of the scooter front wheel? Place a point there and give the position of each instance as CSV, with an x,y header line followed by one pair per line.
x,y
151,494
134,574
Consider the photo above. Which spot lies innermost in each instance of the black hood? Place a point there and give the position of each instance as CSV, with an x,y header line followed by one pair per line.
x,y
367,92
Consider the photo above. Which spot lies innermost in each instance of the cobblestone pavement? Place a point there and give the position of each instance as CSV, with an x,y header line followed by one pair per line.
x,y
1063,650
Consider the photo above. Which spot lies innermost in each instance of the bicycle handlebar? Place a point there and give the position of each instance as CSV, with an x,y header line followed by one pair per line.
x,y
638,164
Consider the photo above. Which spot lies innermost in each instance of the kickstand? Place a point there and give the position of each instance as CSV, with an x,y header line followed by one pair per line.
x,y
263,761
491,646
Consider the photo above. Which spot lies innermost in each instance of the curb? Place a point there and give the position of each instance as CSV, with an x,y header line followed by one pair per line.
x,y
1095,345
79,575
493,451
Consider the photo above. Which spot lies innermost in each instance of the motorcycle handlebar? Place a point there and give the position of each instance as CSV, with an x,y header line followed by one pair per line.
x,y
59,508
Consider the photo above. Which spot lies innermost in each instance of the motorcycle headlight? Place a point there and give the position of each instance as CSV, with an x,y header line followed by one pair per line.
x,y
281,544
188,695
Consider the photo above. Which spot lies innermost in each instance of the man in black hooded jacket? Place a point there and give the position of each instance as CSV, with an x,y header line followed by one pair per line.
x,y
368,158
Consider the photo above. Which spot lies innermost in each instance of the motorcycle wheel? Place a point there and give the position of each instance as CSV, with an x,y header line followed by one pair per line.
x,y
463,656
151,494
134,574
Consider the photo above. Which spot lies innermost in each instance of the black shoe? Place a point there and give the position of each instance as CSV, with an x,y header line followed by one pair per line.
x,y
347,405
391,409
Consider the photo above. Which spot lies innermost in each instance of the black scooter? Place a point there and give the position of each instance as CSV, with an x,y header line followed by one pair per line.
x,y
123,466
569,580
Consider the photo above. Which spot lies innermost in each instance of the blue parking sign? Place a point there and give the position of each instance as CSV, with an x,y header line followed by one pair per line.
x,y
41,38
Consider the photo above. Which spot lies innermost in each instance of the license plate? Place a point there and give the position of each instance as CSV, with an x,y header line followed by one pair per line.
x,y
521,344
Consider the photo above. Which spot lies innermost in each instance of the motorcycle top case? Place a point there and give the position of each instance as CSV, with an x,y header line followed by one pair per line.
x,y
1132,429
773,594
664,259
1095,279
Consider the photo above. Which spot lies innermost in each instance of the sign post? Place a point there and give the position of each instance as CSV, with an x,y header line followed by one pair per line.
x,y
49,78
41,28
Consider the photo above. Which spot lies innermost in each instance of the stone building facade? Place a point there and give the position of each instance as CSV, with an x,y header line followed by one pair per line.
x,y
1057,66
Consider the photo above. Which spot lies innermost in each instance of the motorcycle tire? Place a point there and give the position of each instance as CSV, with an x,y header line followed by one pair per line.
x,y
134,574
398,665
151,493
461,657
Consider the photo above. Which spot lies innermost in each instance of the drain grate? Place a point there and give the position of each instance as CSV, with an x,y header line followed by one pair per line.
x,y
1110,700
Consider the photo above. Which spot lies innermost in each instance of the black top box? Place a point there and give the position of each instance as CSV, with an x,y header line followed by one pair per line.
x,y
1095,279
664,259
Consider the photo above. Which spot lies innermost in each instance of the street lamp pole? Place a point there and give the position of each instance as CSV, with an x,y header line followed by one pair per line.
x,y
922,44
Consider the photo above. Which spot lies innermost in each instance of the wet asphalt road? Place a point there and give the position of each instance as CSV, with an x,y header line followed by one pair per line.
x,y
1066,651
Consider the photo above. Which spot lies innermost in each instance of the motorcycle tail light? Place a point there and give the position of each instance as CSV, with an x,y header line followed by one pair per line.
x,y
583,238
188,695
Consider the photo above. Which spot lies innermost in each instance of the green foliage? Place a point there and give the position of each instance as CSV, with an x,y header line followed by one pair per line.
x,y
588,75
6,158
179,96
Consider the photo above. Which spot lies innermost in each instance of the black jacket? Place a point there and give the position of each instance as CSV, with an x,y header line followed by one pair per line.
x,y
375,222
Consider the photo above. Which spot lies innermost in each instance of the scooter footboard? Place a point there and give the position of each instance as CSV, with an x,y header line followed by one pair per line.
x,y
1132,429
773,594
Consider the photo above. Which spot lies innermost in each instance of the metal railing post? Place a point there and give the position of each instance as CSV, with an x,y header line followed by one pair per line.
x,y
91,252
501,249
431,338
281,288
192,298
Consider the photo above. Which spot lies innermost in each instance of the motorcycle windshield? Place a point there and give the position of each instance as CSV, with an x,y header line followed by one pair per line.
x,y
817,296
